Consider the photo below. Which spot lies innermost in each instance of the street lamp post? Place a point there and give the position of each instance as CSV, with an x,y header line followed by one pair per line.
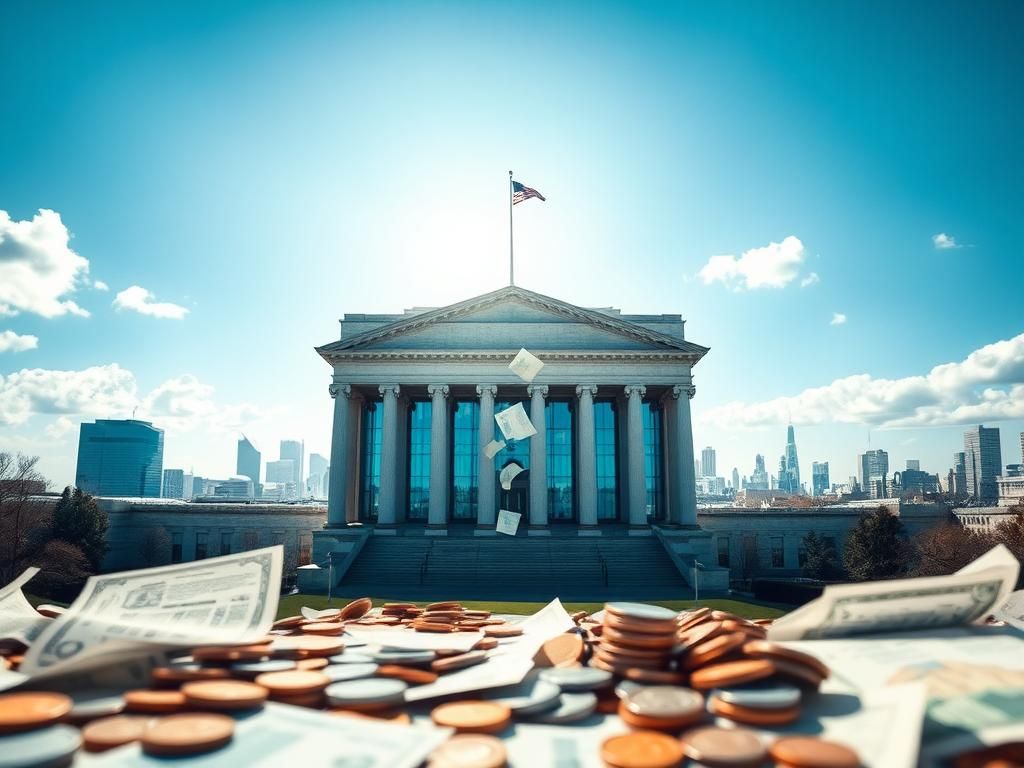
x,y
696,583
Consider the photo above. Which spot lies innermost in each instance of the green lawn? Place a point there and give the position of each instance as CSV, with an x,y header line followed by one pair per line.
x,y
291,604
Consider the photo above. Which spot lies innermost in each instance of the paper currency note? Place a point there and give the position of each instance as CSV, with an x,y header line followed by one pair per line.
x,y
18,619
964,597
1012,611
492,448
525,366
514,423
508,522
508,474
230,599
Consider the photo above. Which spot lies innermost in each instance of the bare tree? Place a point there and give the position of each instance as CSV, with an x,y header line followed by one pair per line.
x,y
25,519
156,547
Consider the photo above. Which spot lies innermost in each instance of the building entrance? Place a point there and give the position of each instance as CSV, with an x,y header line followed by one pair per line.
x,y
517,498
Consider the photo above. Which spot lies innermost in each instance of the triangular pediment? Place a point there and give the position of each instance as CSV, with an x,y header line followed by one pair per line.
x,y
510,318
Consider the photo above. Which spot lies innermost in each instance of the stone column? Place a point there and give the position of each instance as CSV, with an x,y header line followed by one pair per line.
x,y
687,488
337,491
387,514
486,505
538,458
587,455
635,432
437,515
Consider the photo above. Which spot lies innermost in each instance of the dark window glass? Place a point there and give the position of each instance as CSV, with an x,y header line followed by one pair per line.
x,y
778,556
607,470
723,551
801,556
200,546
250,540
175,547
305,548
420,413
652,459
517,451
373,432
225,543
558,418
465,458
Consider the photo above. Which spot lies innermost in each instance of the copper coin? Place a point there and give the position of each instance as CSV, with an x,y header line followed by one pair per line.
x,y
741,625
700,633
312,664
472,716
509,630
109,732
486,644
801,675
390,715
694,617
469,750
305,646
224,694
578,616
637,639
560,651
462,660
432,626
444,606
642,749
398,606
769,650
156,702
189,734
314,700
713,650
410,675
28,710
808,752
166,677
728,748
669,725
289,622
356,608
231,652
754,716
329,628
731,673
293,683
635,625
637,653
655,676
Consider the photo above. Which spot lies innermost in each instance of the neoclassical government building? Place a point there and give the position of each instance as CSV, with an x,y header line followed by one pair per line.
x,y
415,396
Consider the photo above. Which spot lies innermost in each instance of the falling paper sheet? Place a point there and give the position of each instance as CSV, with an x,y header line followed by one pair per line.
x,y
492,448
514,423
525,366
508,474
508,522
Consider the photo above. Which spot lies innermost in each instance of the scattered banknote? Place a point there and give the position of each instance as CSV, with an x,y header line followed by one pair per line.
x,y
1012,611
492,448
965,597
312,614
19,621
508,522
525,366
230,599
514,423
508,474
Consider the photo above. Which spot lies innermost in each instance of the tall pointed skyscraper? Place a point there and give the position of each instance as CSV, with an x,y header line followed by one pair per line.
x,y
789,475
248,464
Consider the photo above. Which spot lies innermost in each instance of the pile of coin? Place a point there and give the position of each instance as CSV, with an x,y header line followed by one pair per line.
x,y
637,639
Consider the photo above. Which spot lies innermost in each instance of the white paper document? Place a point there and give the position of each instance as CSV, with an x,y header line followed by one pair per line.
x,y
492,448
410,639
230,599
508,522
508,474
18,619
1012,611
525,366
514,423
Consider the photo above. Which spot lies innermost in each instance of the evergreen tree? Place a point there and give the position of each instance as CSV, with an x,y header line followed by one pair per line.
x,y
876,547
821,561
79,521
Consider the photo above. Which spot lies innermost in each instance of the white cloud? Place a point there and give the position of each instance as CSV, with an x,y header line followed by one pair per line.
x,y
811,279
60,428
99,285
838,318
943,242
12,342
37,268
138,299
988,385
772,266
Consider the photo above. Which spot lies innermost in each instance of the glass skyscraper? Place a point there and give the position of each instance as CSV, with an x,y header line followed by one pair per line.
x,y
983,462
120,458
247,463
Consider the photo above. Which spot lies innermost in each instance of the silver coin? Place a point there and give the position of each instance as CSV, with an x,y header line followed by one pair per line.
x,y
571,708
399,656
642,611
40,748
526,698
351,658
577,678
665,701
352,642
89,705
259,667
628,688
765,696
339,672
370,690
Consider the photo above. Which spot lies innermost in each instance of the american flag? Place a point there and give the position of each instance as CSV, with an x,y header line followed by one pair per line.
x,y
522,193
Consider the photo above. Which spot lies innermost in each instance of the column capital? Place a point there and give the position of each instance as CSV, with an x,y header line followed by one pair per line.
x,y
344,390
590,389
679,389
541,389
489,389
437,389
638,390
389,389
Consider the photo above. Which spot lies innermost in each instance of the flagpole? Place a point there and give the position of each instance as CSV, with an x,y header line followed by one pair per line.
x,y
511,259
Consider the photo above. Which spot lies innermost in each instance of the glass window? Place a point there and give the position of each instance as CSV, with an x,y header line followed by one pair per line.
x,y
225,542
176,547
465,459
605,454
201,545
305,548
250,540
652,458
723,551
420,413
558,417
373,433
778,555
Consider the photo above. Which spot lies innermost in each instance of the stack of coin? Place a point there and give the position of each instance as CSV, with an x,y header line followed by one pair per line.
x,y
636,636
662,708
809,752
733,747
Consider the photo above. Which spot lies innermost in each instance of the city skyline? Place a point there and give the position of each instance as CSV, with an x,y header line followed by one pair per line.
x,y
762,196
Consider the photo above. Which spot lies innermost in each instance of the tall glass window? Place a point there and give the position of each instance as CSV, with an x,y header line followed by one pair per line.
x,y
465,459
652,459
420,413
607,471
373,433
558,422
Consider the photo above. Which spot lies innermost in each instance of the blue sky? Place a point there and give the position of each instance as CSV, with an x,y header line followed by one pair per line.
x,y
270,166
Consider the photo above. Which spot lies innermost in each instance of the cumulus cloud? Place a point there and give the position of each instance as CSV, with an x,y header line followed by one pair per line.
x,y
37,268
943,242
138,299
838,318
99,285
772,266
61,427
811,279
12,342
987,385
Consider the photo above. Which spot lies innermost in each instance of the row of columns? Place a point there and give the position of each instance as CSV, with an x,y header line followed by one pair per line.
x,y
683,503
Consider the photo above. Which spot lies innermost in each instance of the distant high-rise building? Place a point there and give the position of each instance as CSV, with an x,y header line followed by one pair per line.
x,y
198,486
314,483
708,463
789,465
120,458
1022,447
247,463
186,487
174,484
281,471
983,458
294,450
874,473
238,487
735,479
696,468
959,470
819,478
913,464
759,477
